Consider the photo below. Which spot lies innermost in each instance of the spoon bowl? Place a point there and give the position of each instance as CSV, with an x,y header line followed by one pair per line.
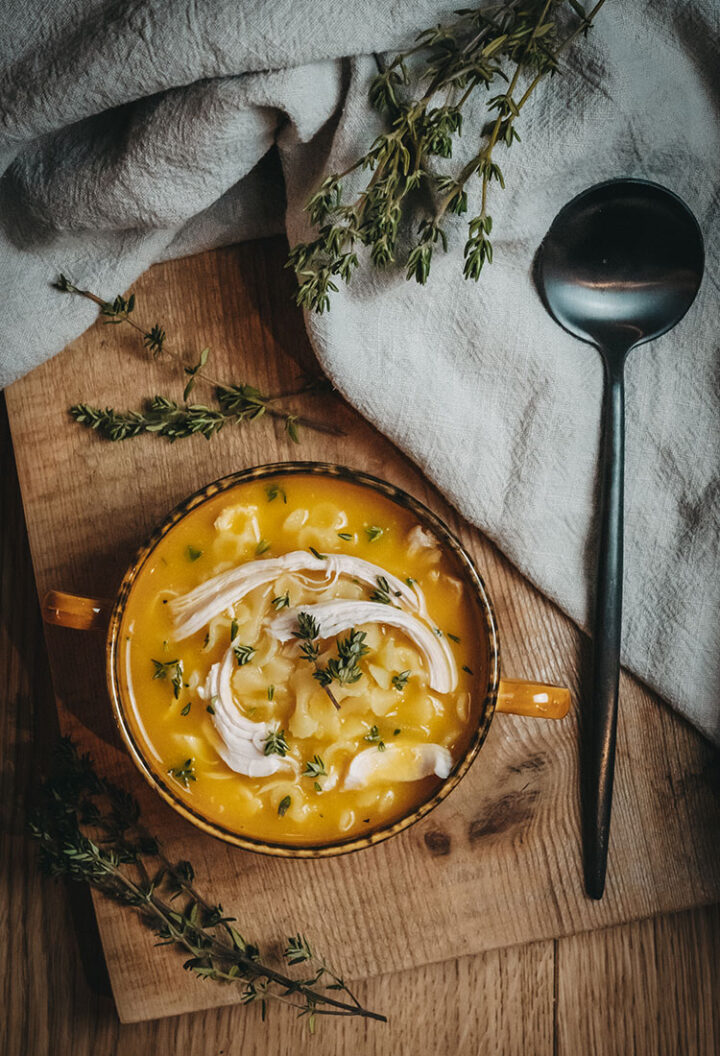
x,y
620,265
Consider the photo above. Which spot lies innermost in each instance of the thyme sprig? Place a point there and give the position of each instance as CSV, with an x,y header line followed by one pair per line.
x,y
383,593
164,668
243,654
166,417
308,633
373,737
400,680
315,767
345,669
89,830
492,48
276,743
184,772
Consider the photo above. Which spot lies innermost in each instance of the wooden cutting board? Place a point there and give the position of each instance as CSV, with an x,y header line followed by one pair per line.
x,y
500,861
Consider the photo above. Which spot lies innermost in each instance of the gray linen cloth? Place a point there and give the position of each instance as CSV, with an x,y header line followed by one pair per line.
x,y
136,132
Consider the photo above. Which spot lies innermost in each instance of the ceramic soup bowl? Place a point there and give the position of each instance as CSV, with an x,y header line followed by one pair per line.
x,y
303,659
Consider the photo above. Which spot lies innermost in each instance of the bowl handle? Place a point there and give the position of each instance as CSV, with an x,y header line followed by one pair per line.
x,y
518,697
71,610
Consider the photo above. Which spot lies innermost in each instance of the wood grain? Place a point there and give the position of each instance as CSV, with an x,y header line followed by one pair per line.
x,y
512,871
658,982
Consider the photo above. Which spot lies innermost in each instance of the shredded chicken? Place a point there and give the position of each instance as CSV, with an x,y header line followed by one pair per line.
x,y
243,747
192,611
335,616
398,762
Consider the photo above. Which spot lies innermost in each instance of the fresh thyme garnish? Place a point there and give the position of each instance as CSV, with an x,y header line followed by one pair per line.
x,y
273,490
346,536
193,553
184,773
438,632
262,546
206,640
423,102
308,632
315,768
317,786
400,680
243,654
373,532
234,626
270,692
314,552
186,709
163,416
164,667
382,592
374,738
466,668
410,581
396,732
284,806
210,709
275,743
346,668
282,601
453,637
90,831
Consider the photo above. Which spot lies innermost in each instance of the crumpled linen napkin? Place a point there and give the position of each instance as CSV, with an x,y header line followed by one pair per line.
x,y
131,133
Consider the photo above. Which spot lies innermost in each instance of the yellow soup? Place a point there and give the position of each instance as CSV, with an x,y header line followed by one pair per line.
x,y
301,660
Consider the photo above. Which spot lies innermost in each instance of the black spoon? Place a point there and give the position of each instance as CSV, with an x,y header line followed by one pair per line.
x,y
620,265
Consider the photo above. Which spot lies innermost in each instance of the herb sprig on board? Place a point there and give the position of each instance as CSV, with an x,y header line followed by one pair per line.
x,y
503,49
177,420
89,830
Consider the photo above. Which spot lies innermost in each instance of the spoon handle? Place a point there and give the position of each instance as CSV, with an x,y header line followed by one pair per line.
x,y
602,720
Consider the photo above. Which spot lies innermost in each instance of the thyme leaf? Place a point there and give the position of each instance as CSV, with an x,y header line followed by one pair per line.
x,y
273,490
382,592
163,668
244,654
276,744
315,768
373,737
184,773
400,680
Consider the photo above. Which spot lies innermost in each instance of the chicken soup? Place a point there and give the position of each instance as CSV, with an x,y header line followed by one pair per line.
x,y
302,660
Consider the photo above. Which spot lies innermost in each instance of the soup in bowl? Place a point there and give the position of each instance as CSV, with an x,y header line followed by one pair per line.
x,y
304,660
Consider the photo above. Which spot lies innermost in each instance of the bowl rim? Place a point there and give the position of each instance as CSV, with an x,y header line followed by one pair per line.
x,y
427,517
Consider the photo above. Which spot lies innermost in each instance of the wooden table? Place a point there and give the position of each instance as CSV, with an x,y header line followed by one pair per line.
x,y
649,987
